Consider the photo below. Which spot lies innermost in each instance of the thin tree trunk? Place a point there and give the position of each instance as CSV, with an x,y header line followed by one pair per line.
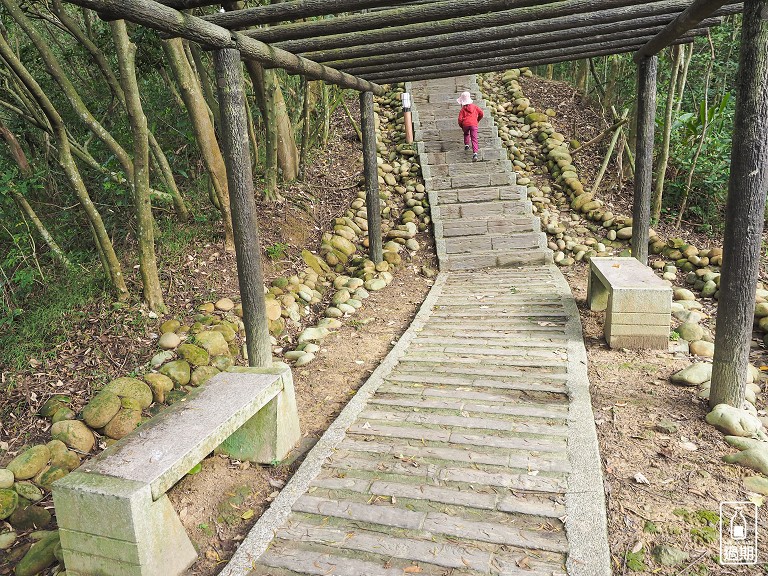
x,y
702,137
205,134
609,153
745,213
256,72
126,58
684,77
57,73
204,80
113,270
550,71
663,159
305,113
326,113
287,152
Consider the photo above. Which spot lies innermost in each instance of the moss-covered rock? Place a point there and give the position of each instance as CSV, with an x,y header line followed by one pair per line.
x,y
101,409
212,342
27,464
74,434
195,355
41,555
160,385
178,371
9,500
131,388
202,374
124,422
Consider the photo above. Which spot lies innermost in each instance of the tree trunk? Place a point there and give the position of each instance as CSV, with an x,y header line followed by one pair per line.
x,y
57,73
204,80
229,80
663,159
683,77
126,58
372,203
305,128
581,76
266,106
205,134
113,270
550,71
745,212
646,118
287,152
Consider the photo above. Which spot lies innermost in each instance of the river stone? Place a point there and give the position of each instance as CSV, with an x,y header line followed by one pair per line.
x,y
341,296
63,413
206,307
9,500
222,363
329,323
693,375
178,371
131,388
375,284
169,326
49,475
733,421
688,315
6,478
294,355
226,330
356,304
195,355
709,289
412,244
343,245
52,405
683,294
305,359
756,484
101,409
333,312
624,233
29,491
273,309
761,309
690,331
202,374
29,517
27,464
213,342
169,341
346,308
312,348
160,358
123,423
40,556
702,348
313,334
315,262
61,456
160,384
224,304
669,555
7,539
74,434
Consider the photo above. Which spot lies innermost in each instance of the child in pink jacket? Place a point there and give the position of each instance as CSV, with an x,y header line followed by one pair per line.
x,y
469,117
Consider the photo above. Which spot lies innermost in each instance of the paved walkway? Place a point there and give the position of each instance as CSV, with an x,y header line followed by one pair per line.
x,y
471,450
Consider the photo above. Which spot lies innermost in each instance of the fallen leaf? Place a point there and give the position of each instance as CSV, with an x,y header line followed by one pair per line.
x,y
641,479
412,570
523,563
247,515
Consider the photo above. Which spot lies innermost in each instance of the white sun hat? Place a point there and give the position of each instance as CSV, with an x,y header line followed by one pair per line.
x,y
465,98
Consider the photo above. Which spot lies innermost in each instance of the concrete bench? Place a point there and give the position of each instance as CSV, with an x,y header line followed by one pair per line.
x,y
113,513
638,303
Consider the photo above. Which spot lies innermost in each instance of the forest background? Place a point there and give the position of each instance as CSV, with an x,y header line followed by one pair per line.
x,y
111,163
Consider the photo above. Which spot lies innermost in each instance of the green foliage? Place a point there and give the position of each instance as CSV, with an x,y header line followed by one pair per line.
x,y
276,250
636,561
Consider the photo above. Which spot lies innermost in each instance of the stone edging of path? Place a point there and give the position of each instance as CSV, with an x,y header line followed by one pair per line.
x,y
263,531
589,551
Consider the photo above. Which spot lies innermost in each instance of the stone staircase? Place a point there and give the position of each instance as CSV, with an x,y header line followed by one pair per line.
x,y
482,219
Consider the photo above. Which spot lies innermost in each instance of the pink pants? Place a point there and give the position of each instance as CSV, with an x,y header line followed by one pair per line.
x,y
470,135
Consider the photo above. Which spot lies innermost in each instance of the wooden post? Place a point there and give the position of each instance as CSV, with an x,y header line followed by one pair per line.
x,y
368,127
745,211
234,132
646,118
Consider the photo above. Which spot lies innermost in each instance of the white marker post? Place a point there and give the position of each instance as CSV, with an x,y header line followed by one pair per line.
x,y
407,117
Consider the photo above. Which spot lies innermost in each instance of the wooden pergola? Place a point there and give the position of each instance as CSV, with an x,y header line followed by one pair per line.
x,y
361,44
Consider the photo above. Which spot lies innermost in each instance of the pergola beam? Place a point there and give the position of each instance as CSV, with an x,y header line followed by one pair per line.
x,y
169,20
427,31
690,18
285,11
552,57
555,42
400,16
508,31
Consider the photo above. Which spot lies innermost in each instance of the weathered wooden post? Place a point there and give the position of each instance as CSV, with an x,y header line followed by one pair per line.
x,y
368,127
745,212
646,117
229,81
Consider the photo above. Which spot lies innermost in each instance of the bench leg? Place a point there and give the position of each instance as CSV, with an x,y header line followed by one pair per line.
x,y
597,293
273,432
112,526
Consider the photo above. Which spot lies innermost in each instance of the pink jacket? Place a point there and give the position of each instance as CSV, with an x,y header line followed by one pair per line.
x,y
470,115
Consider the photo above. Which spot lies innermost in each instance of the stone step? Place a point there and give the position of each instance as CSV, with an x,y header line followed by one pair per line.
x,y
434,134
503,178
457,144
467,244
466,168
498,259
440,122
476,210
489,194
462,156
493,225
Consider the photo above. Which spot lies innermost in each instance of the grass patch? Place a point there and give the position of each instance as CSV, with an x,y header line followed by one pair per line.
x,y
47,315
